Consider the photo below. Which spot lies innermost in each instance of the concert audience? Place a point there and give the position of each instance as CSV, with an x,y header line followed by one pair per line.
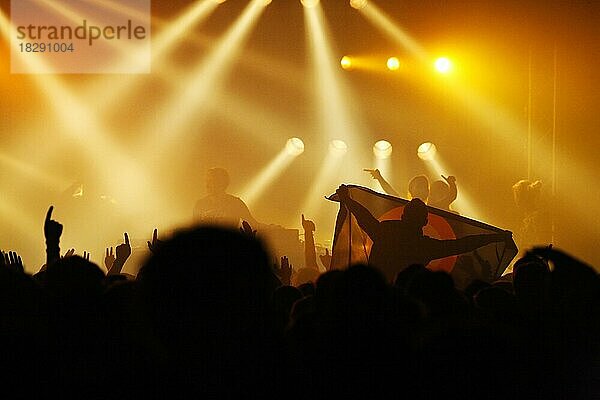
x,y
208,315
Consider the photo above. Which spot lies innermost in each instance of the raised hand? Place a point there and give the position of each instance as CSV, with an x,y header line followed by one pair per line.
x,y
52,232
122,252
12,261
155,244
285,271
109,259
326,259
69,253
308,225
52,229
449,179
86,256
375,173
247,229
558,257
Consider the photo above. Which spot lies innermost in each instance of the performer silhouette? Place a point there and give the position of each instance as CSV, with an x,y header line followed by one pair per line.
x,y
399,244
219,207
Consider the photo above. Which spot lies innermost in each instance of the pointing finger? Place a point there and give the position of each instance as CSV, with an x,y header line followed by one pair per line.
x,y
49,213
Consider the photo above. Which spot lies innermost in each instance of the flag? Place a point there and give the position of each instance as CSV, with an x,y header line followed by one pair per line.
x,y
351,245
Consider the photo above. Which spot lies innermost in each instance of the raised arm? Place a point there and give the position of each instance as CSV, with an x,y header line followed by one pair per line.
x,y
376,174
445,248
52,232
123,251
365,220
310,254
453,193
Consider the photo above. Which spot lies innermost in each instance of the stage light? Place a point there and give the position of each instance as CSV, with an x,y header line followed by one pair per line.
x,y
338,147
294,146
346,62
382,149
309,3
443,65
273,170
358,4
393,63
427,151
207,77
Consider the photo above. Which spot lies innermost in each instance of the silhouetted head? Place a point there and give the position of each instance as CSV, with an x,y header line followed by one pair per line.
x,y
217,180
438,192
418,187
527,194
204,283
415,213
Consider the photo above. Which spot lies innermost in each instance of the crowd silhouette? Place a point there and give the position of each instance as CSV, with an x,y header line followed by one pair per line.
x,y
210,315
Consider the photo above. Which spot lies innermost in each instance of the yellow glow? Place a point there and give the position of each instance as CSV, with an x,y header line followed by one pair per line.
x,y
25,169
309,3
295,146
82,125
272,171
346,62
193,99
323,184
463,202
171,34
427,151
358,4
381,21
382,149
384,165
443,65
393,64
338,147
332,94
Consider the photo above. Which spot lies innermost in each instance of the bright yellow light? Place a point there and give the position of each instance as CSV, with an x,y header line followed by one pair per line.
x,y
337,147
427,151
309,3
346,62
294,146
443,65
104,92
207,77
382,149
332,94
383,22
219,1
393,63
358,4
267,2
273,170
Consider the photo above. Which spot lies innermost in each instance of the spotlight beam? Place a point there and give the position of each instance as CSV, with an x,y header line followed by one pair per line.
x,y
162,43
207,77
82,125
323,184
31,173
334,116
383,22
267,176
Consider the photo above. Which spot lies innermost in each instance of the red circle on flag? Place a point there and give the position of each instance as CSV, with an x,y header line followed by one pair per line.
x,y
437,228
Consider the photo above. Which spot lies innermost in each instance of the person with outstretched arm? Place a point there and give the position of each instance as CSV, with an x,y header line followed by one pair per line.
x,y
399,244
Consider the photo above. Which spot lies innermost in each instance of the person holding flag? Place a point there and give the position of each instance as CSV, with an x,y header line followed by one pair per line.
x,y
398,244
